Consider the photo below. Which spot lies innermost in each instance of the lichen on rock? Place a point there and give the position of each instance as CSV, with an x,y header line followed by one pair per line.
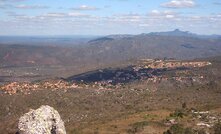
x,y
44,120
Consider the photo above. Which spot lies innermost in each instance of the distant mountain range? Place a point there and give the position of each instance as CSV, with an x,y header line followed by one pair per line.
x,y
173,44
116,48
178,32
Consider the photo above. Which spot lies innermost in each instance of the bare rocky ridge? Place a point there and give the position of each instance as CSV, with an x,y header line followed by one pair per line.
x,y
44,120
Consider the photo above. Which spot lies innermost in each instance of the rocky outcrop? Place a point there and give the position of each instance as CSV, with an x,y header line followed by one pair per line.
x,y
44,120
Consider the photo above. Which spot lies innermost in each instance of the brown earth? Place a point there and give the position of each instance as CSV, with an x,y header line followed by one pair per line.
x,y
139,105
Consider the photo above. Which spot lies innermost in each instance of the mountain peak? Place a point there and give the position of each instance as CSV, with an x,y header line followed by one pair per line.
x,y
180,31
176,32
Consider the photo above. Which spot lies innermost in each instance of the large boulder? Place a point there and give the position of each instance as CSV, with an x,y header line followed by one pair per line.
x,y
44,120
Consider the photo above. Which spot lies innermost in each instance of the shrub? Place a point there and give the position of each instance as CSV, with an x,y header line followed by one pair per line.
x,y
178,114
179,129
175,129
184,105
201,132
217,128
189,131
137,127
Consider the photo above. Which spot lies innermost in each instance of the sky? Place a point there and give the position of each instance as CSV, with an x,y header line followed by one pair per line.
x,y
104,17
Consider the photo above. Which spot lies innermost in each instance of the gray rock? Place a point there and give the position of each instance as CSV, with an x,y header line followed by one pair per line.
x,y
44,120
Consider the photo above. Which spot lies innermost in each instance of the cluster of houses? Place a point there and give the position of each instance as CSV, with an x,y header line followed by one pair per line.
x,y
26,87
174,64
108,78
158,79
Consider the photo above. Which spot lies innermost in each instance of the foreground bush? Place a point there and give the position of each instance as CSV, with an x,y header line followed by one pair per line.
x,y
179,129
137,127
175,129
217,128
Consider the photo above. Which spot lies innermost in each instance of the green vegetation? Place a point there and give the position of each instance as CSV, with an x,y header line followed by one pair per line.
x,y
75,131
179,113
179,129
149,116
217,128
175,129
189,131
201,132
137,127
84,110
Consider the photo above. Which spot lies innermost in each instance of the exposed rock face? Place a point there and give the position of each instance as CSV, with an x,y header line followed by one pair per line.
x,y
44,120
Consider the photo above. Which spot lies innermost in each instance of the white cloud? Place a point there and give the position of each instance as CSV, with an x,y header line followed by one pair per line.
x,y
85,8
163,14
79,22
11,0
155,12
57,15
22,6
128,18
144,25
170,16
65,15
179,4
76,14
